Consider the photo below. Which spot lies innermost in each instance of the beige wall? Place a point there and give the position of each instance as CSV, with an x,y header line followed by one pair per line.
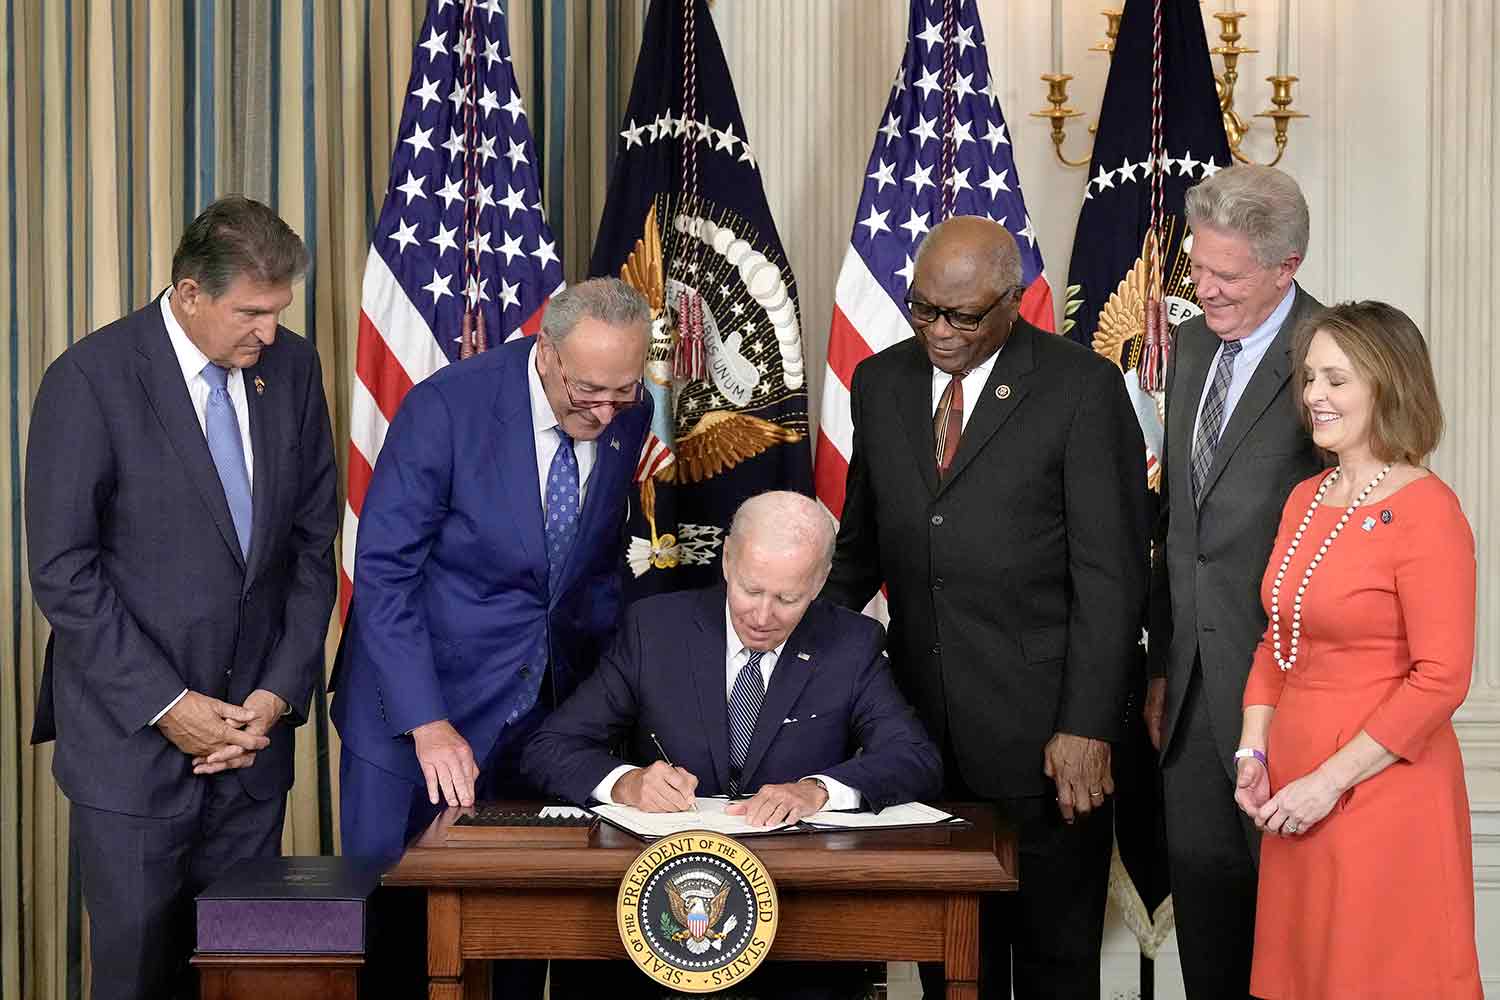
x,y
1396,161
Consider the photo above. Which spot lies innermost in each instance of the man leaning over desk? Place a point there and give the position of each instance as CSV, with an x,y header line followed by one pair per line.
x,y
752,689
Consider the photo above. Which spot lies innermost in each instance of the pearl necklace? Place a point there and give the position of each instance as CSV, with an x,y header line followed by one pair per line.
x,y
1312,508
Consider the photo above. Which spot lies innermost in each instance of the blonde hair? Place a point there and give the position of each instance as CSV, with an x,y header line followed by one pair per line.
x,y
1388,351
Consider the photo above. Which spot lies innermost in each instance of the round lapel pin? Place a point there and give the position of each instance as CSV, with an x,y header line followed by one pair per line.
x,y
1385,517
1002,391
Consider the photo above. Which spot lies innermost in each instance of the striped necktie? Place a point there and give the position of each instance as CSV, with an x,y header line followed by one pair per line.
x,y
744,709
948,424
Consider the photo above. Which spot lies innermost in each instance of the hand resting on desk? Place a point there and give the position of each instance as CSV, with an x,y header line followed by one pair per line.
x,y
775,804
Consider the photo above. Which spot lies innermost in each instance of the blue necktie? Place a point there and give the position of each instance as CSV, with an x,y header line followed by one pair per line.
x,y
228,449
744,709
562,507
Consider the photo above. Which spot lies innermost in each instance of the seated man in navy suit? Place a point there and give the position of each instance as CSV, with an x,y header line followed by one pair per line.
x,y
753,689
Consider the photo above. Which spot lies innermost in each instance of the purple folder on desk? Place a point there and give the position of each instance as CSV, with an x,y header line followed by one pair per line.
x,y
306,906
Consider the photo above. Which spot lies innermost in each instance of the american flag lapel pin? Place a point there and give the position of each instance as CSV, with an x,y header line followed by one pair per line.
x,y
804,656
260,386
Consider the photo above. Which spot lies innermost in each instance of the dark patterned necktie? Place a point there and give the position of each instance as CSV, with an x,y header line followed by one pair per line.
x,y
1211,423
562,507
948,424
744,709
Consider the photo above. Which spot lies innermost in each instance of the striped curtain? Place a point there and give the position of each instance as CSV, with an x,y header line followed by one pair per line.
x,y
121,120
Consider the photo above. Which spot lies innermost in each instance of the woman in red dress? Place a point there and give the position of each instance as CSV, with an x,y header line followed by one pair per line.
x,y
1347,756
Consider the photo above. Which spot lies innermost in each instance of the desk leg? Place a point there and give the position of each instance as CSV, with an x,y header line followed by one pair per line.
x,y
445,964
961,948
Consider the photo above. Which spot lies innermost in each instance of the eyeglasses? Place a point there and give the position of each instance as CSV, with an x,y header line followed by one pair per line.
x,y
926,313
593,399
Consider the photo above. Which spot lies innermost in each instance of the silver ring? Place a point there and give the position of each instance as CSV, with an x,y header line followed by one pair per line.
x,y
1292,828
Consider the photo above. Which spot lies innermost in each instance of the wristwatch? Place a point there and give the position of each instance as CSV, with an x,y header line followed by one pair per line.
x,y
819,783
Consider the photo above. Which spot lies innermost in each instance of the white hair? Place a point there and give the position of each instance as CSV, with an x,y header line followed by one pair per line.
x,y
785,520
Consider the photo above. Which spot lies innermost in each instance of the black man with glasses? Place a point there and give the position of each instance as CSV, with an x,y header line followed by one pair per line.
x,y
486,579
997,489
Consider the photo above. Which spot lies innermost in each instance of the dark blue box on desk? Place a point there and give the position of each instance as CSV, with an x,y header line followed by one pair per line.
x,y
288,906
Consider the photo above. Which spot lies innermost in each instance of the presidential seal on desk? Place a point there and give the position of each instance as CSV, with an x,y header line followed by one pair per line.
x,y
697,912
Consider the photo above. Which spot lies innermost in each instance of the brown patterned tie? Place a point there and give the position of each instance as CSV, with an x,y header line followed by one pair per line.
x,y
948,424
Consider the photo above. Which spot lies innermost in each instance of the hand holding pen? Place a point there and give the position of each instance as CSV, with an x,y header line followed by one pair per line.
x,y
661,787
688,776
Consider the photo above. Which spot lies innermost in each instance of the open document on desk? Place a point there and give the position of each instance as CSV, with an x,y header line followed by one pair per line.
x,y
711,816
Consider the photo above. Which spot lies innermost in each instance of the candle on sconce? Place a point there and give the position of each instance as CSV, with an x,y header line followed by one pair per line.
x,y
1284,39
1057,38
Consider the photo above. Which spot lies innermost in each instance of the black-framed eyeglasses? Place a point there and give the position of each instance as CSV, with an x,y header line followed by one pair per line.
x,y
926,313
593,399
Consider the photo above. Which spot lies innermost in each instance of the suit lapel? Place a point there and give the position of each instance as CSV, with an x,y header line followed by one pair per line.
x,y
161,377
1270,375
788,678
914,401
707,661
514,460
1012,364
263,414
1193,361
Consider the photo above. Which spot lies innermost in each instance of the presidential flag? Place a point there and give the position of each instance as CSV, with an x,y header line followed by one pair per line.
x,y
462,256
942,149
686,222
1160,132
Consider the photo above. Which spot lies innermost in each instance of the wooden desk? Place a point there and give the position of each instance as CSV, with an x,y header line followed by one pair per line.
x,y
901,895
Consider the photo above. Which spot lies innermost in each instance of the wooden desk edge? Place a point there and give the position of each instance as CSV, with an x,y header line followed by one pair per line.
x,y
891,866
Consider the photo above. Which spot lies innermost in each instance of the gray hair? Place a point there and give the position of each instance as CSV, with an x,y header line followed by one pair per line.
x,y
237,237
608,300
786,520
1004,260
1262,204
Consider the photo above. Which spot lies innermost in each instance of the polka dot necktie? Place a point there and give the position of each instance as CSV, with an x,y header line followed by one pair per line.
x,y
562,507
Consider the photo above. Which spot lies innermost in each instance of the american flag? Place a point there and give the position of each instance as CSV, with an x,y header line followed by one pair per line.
x,y
462,223
942,149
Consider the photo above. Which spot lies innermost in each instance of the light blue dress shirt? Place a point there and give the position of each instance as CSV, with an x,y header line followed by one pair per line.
x,y
1253,348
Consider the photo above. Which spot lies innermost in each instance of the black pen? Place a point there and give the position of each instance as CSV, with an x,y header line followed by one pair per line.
x,y
668,761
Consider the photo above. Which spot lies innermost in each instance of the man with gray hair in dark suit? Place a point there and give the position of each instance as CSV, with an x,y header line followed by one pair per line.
x,y
1233,449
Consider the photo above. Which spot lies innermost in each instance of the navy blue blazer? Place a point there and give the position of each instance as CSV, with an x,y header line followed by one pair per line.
x,y
832,708
136,565
451,615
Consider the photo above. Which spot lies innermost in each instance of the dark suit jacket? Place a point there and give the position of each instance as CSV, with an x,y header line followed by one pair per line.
x,y
451,616
1205,591
135,561
1017,586
831,694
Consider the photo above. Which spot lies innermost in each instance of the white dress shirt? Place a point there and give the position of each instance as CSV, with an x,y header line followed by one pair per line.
x,y
973,384
544,425
736,655
1252,349
192,362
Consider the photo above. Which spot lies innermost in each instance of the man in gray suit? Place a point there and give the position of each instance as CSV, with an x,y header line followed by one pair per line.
x,y
1233,451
